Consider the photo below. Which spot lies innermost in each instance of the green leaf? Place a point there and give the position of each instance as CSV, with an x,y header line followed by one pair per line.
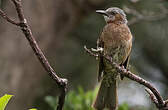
x,y
4,101
33,109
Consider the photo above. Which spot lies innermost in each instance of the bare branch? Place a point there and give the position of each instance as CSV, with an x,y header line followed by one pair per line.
x,y
154,94
61,99
19,10
3,15
143,17
62,83
138,79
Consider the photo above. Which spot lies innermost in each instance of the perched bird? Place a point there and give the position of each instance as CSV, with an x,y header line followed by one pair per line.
x,y
116,42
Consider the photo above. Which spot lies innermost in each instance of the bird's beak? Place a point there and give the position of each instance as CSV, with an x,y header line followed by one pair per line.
x,y
102,12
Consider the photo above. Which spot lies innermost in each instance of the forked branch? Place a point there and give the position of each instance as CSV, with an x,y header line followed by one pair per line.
x,y
62,83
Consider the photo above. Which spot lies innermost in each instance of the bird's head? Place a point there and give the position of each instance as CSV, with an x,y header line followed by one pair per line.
x,y
113,15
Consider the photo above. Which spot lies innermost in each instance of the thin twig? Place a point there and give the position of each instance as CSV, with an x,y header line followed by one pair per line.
x,y
2,14
19,10
152,96
62,83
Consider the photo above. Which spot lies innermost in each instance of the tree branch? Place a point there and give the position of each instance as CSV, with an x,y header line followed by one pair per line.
x,y
62,83
153,92
3,15
145,17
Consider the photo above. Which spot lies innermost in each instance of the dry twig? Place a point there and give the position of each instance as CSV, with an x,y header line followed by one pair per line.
x,y
153,92
62,83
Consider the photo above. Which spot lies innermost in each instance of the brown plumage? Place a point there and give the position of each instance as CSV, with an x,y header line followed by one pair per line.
x,y
116,41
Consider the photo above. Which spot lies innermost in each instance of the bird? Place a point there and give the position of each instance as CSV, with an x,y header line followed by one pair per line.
x,y
115,41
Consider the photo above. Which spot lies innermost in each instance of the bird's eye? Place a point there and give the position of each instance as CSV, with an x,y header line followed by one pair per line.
x,y
113,13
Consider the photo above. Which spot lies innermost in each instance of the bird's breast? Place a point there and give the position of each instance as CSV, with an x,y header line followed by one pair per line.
x,y
117,41
114,35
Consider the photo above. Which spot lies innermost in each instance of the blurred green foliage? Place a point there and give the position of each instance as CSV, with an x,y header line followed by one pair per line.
x,y
79,100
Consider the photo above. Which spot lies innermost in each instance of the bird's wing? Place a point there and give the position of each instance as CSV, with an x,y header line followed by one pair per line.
x,y
126,62
101,64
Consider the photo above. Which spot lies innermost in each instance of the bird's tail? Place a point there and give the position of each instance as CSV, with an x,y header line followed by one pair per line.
x,y
107,95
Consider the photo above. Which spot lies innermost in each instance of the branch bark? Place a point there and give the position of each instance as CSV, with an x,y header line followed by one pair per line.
x,y
62,83
153,92
4,15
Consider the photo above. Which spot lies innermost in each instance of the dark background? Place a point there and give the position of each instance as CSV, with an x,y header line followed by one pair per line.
x,y
62,28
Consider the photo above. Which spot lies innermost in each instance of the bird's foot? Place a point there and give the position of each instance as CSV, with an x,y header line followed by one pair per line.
x,y
98,50
91,52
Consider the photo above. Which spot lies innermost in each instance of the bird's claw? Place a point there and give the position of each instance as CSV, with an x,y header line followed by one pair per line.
x,y
98,50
